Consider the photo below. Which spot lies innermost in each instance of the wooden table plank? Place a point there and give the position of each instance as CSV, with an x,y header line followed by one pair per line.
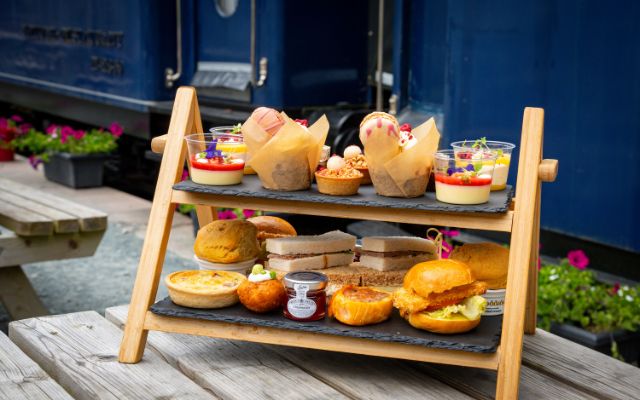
x,y
232,370
90,220
62,221
21,378
18,250
24,222
481,384
359,377
80,351
577,365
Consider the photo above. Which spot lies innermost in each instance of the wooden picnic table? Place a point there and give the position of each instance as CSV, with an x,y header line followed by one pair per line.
x,y
76,356
36,226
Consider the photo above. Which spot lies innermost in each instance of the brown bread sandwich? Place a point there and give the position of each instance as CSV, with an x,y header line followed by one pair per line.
x,y
441,296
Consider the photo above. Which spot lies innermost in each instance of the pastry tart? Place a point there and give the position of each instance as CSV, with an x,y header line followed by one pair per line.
x,y
204,289
355,305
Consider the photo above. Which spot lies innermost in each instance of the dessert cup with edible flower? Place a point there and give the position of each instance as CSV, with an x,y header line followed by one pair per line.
x,y
463,181
338,179
467,149
216,158
234,132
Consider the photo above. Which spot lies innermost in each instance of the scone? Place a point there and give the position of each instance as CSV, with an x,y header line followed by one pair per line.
x,y
227,242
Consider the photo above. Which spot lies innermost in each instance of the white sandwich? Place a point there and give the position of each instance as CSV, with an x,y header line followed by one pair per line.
x,y
391,253
300,253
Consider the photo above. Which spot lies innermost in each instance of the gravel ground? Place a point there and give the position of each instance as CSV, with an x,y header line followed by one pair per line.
x,y
98,282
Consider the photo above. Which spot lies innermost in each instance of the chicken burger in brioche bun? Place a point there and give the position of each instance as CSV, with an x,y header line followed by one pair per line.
x,y
441,296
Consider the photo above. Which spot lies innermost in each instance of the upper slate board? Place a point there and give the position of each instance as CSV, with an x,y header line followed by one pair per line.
x,y
251,187
484,339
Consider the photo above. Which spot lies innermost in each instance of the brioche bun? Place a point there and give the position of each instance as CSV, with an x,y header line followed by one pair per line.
x,y
272,227
357,306
227,242
489,262
437,276
450,325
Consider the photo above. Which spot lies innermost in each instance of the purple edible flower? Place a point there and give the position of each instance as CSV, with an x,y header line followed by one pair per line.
x,y
212,152
450,171
459,169
470,167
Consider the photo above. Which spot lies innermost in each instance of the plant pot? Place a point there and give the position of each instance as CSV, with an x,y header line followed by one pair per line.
x,y
628,342
75,170
6,154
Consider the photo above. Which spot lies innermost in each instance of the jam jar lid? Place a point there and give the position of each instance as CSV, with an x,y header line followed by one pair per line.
x,y
315,280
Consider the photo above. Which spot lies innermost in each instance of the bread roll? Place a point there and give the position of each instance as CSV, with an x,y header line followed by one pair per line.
x,y
227,241
489,262
437,276
450,325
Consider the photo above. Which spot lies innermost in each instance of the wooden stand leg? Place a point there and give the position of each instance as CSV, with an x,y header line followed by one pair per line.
x,y
183,121
18,296
531,312
522,239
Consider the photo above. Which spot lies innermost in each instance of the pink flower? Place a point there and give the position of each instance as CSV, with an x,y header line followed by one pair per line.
x,y
4,124
17,118
185,174
79,134
578,259
446,249
24,128
116,129
227,214
248,213
34,161
51,129
451,233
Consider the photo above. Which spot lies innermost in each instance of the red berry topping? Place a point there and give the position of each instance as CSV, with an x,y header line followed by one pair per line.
x,y
302,122
405,128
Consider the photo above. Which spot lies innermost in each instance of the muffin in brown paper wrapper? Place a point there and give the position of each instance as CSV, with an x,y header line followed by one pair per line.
x,y
287,160
397,173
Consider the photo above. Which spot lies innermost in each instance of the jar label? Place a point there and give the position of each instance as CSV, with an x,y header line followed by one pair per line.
x,y
300,306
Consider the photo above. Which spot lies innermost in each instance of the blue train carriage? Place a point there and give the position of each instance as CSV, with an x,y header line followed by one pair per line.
x,y
476,65
95,61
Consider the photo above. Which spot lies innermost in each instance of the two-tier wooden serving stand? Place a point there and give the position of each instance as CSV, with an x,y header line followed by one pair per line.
x,y
522,220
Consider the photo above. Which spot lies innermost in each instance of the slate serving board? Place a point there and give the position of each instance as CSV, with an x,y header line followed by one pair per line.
x,y
251,187
484,339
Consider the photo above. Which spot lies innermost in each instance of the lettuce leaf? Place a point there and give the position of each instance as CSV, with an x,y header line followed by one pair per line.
x,y
471,308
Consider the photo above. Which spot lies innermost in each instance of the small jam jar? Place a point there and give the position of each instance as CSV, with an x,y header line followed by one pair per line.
x,y
306,296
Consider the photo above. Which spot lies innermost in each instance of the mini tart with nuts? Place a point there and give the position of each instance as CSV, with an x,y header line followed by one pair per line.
x,y
360,163
338,179
204,289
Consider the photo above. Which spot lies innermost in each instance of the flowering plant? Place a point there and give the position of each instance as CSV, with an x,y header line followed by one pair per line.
x,y
568,293
10,129
65,139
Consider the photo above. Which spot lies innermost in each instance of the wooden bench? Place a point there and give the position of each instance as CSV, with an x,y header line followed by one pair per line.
x,y
79,353
36,226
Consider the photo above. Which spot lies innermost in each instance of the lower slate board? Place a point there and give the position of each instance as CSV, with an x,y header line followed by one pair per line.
x,y
484,339
251,187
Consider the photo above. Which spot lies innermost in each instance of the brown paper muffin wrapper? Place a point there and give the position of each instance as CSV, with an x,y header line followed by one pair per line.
x,y
397,173
288,160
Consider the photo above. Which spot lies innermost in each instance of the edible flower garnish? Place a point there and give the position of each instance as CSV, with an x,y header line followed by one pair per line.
x,y
237,129
211,151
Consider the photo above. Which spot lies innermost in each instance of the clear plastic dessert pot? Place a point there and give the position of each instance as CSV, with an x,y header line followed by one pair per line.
x,y
463,180
216,158
503,150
